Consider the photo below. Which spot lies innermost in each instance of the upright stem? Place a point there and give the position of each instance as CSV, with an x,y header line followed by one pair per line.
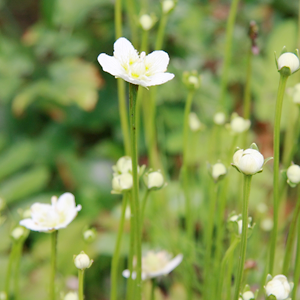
x,y
80,284
116,255
276,149
135,189
297,263
291,238
9,269
188,218
18,254
161,31
144,206
53,263
246,194
118,18
228,46
131,13
154,283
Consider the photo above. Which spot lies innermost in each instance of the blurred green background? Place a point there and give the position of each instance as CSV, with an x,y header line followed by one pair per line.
x,y
59,120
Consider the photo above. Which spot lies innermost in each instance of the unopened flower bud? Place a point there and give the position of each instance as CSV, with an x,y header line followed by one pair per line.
x,y
288,63
147,21
267,224
123,165
121,183
219,118
71,296
218,170
239,124
82,261
279,287
19,232
191,79
167,6
3,295
154,180
248,295
89,235
249,161
293,175
194,122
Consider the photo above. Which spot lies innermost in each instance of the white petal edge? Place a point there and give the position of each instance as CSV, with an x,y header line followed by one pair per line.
x,y
159,79
123,50
158,61
110,65
29,224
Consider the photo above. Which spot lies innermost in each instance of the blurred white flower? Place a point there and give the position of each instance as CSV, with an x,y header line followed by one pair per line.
x,y
267,224
82,261
71,296
167,6
19,232
194,122
219,118
218,170
47,218
156,264
249,161
279,287
123,165
293,175
137,69
3,296
239,124
248,295
154,180
295,93
122,182
288,60
147,21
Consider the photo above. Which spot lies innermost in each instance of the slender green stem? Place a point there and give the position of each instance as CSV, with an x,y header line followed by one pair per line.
x,y
228,276
246,194
144,206
145,39
80,284
276,149
297,264
188,217
131,13
18,254
228,46
135,189
161,31
247,94
130,286
221,276
118,18
154,283
116,255
9,269
53,263
291,237
209,240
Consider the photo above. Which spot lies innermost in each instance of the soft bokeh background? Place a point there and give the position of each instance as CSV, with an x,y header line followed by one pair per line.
x,y
60,129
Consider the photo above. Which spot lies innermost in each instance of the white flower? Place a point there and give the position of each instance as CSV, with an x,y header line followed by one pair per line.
x,y
82,261
71,296
218,170
279,287
219,118
289,60
147,22
123,165
194,122
137,69
154,180
156,264
47,218
239,124
248,295
249,161
122,182
293,175
167,5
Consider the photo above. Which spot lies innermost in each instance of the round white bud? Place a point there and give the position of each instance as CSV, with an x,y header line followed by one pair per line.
x,y
18,232
239,124
122,182
124,165
218,170
3,295
293,174
82,261
248,161
146,22
194,122
289,60
167,5
278,287
154,180
248,295
71,296
219,118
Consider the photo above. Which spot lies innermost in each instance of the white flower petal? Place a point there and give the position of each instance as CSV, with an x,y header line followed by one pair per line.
x,y
157,62
110,65
28,223
65,202
160,78
124,51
